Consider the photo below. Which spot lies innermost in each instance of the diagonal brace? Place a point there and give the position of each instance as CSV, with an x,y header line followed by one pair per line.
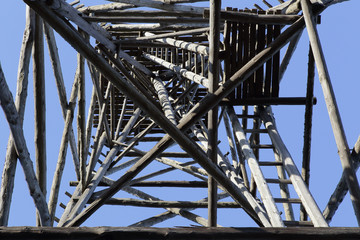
x,y
333,110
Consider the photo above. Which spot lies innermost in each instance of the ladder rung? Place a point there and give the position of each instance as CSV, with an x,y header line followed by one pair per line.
x,y
255,131
287,200
247,116
276,180
146,139
298,223
267,146
264,163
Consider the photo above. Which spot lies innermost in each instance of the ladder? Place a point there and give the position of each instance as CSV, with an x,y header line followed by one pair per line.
x,y
287,172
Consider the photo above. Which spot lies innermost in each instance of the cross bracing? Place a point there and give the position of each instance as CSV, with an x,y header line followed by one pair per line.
x,y
167,79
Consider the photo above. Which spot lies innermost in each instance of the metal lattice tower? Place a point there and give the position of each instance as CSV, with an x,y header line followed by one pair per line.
x,y
181,106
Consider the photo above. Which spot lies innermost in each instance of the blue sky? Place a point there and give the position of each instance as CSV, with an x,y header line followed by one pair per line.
x,y
339,37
